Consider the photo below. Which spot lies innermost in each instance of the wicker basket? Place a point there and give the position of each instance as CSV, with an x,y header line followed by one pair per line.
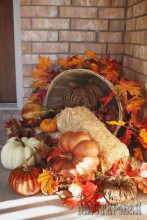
x,y
58,86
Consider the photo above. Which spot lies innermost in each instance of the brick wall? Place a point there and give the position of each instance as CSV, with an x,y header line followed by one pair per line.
x,y
135,53
59,28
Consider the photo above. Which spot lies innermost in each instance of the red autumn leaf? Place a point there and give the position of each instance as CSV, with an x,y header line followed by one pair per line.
x,y
127,137
72,202
88,189
53,154
107,99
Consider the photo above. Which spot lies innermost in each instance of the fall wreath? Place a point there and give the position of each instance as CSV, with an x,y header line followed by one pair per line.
x,y
80,160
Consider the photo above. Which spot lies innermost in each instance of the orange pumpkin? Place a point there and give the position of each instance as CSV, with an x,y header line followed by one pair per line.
x,y
24,181
78,152
48,125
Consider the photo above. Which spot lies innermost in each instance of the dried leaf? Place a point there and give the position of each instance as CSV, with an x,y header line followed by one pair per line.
x,y
107,99
72,202
141,183
47,182
143,137
88,189
138,154
44,63
134,104
91,55
122,123
128,87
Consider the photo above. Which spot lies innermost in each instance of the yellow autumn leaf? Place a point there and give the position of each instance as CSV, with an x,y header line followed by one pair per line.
x,y
46,181
143,134
138,154
44,63
120,122
91,55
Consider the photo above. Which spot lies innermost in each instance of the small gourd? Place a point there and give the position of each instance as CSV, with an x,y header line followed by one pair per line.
x,y
15,152
48,125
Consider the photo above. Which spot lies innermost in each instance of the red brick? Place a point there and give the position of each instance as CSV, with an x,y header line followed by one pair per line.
x,y
27,81
117,57
33,58
27,92
87,24
128,37
25,23
140,9
144,67
111,13
38,11
26,47
116,25
104,3
25,2
129,12
51,23
130,24
78,12
141,23
110,37
115,48
129,49
82,47
27,70
140,51
118,3
137,37
77,36
39,35
51,2
133,63
50,47
132,2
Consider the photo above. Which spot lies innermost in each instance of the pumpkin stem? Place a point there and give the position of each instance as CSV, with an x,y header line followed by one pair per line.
x,y
18,140
25,165
68,156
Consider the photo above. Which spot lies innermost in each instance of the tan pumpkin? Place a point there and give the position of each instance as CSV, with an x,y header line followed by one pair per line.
x,y
23,180
48,125
78,152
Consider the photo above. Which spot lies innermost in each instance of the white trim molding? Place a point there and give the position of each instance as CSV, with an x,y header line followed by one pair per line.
x,y
18,59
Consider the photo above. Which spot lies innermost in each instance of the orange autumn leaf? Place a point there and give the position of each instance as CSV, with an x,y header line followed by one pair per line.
x,y
64,62
91,55
94,67
47,182
141,183
39,73
127,87
138,154
77,61
44,63
143,137
134,104
110,74
40,82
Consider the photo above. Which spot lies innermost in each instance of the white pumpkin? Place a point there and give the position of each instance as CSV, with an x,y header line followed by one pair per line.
x,y
15,152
